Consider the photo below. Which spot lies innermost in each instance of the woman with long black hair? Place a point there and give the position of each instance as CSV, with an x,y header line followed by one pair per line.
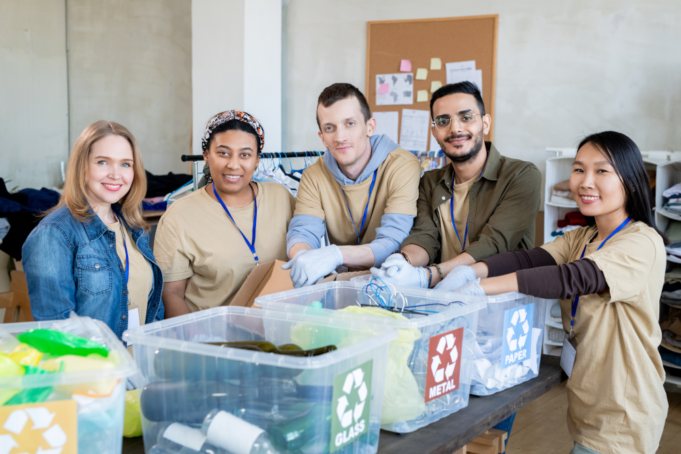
x,y
608,276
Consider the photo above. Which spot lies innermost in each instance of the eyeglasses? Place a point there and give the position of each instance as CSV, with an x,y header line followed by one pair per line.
x,y
443,122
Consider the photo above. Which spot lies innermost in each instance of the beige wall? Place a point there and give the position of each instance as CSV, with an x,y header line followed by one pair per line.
x,y
130,62
33,92
564,69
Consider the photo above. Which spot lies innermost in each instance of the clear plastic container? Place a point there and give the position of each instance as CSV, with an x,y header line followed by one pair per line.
x,y
509,342
87,403
326,403
417,390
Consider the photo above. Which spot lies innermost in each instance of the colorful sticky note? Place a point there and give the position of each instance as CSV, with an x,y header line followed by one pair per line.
x,y
434,85
383,89
422,96
421,74
435,63
405,65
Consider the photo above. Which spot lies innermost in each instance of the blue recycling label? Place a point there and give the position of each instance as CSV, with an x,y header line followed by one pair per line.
x,y
517,335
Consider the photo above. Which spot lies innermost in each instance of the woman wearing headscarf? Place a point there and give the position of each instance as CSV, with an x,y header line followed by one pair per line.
x,y
207,243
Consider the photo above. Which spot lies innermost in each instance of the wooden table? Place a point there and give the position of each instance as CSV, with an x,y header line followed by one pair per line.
x,y
451,433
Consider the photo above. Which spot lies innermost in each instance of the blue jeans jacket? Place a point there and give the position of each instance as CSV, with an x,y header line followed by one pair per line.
x,y
73,266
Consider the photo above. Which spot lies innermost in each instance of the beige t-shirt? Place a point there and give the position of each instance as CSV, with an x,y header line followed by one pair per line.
x,y
141,278
451,246
196,240
616,400
395,191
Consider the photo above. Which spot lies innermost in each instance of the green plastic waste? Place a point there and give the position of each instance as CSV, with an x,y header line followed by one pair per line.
x,y
31,395
9,368
401,398
132,421
57,343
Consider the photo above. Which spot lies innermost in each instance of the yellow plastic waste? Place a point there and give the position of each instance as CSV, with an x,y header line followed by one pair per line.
x,y
401,398
73,363
8,368
26,355
132,422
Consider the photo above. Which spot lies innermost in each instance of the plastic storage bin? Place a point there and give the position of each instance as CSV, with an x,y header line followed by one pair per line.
x,y
323,404
75,415
509,341
429,366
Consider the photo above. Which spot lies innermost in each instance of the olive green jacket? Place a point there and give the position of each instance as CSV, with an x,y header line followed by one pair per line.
x,y
503,206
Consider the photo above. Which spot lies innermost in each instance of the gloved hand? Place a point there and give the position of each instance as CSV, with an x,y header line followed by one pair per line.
x,y
397,271
471,288
456,278
307,267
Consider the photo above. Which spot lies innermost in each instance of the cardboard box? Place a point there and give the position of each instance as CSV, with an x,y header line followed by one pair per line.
x,y
342,276
265,279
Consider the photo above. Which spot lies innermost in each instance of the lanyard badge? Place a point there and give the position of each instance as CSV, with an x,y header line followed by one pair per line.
x,y
451,212
251,245
366,208
127,258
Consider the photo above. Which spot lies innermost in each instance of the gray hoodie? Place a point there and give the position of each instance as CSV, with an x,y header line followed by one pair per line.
x,y
381,146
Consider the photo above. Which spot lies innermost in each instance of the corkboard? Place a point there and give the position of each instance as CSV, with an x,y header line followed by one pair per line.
x,y
451,39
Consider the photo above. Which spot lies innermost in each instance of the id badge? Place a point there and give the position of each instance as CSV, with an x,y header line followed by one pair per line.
x,y
567,357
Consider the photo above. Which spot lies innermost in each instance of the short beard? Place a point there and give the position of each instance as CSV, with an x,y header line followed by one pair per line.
x,y
470,156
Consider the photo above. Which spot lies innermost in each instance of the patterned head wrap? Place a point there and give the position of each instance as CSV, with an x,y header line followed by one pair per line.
x,y
224,117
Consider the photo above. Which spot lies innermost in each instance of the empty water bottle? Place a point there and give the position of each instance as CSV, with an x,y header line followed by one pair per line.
x,y
237,436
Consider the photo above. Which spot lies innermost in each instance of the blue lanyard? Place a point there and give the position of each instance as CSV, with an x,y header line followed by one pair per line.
x,y
250,245
451,212
576,302
366,208
125,246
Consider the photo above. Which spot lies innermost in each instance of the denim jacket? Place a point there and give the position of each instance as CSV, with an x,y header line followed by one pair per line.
x,y
73,266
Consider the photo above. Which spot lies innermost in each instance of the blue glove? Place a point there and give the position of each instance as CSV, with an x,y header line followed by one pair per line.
x,y
456,278
396,271
307,267
471,288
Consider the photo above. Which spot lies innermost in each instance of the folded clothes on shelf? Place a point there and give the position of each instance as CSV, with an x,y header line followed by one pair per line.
x,y
573,218
671,357
674,191
672,276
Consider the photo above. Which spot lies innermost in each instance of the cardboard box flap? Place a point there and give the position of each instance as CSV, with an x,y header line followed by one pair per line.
x,y
265,279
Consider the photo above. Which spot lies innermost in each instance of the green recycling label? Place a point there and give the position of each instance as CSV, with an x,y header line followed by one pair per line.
x,y
351,404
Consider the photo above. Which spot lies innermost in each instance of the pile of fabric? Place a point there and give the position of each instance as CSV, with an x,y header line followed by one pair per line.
x,y
670,349
561,194
674,234
672,197
159,187
20,214
572,220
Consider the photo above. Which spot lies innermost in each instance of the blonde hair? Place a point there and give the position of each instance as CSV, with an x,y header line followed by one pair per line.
x,y
77,173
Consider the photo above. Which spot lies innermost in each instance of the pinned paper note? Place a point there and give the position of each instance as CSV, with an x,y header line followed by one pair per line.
x,y
434,85
464,71
422,96
435,63
405,66
434,146
421,74
414,130
386,123
400,89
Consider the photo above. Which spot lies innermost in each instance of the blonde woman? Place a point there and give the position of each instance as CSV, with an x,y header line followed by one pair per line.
x,y
91,253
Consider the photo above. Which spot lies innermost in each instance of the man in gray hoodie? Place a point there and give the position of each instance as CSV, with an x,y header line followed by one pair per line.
x,y
362,193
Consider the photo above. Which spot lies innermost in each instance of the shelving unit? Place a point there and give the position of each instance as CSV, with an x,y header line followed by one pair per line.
x,y
558,168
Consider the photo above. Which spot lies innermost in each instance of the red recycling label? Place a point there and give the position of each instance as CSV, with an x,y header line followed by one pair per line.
x,y
444,364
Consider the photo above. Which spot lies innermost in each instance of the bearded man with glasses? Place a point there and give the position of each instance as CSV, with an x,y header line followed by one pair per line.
x,y
480,204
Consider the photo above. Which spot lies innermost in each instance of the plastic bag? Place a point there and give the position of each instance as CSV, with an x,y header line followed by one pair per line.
x,y
57,343
401,398
132,423
31,395
9,368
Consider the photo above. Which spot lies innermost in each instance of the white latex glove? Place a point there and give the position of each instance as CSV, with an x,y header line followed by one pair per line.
x,y
396,271
456,278
471,288
309,266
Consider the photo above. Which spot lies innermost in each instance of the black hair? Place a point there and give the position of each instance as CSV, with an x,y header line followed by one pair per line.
x,y
337,92
237,125
468,88
625,157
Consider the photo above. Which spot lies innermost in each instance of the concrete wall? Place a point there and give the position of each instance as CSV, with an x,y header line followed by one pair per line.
x,y
130,62
33,92
564,69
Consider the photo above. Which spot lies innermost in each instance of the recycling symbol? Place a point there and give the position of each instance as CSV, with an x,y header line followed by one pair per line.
x,y
353,381
519,316
42,419
446,344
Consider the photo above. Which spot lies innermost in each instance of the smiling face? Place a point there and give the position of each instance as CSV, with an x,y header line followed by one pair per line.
x,y
232,158
110,171
595,184
461,142
345,131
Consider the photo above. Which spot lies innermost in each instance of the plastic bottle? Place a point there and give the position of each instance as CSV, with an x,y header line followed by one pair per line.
x,y
237,436
177,438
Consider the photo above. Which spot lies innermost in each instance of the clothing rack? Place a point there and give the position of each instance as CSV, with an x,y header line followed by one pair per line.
x,y
196,158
